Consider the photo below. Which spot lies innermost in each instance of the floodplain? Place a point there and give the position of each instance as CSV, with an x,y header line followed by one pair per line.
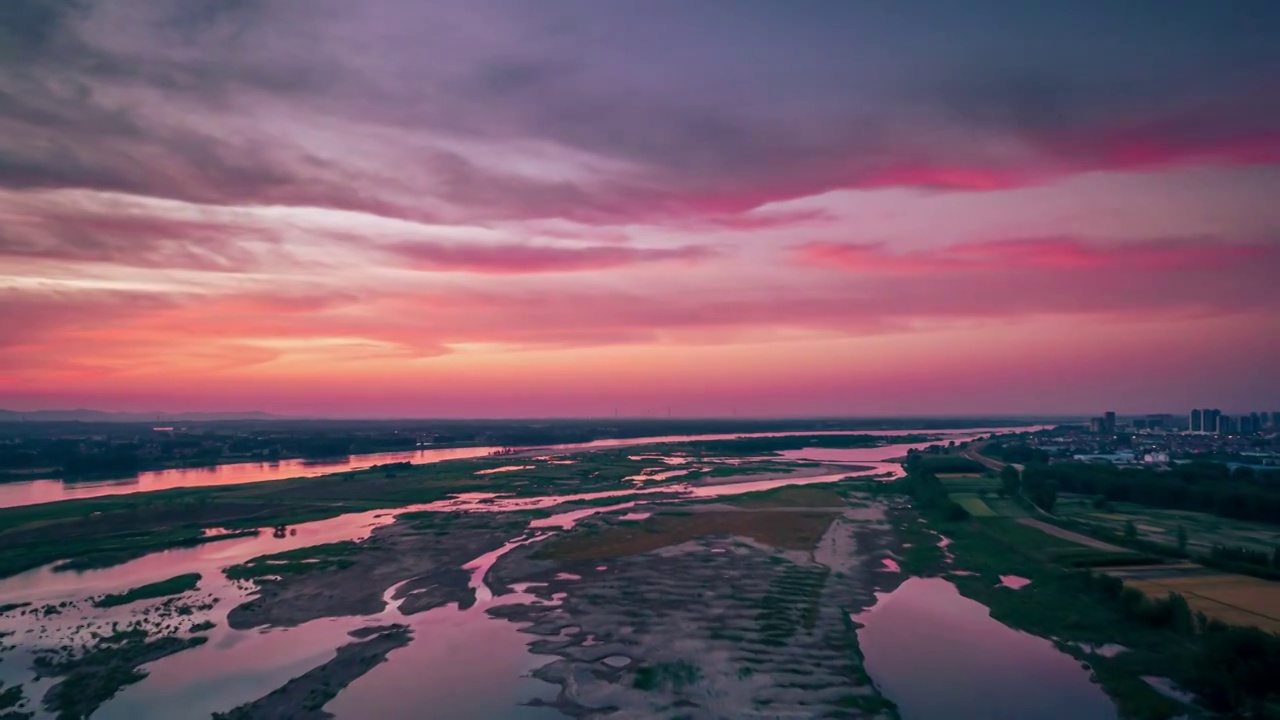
x,y
745,586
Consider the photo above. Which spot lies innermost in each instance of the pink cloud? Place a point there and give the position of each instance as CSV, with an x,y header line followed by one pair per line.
x,y
1064,254
529,259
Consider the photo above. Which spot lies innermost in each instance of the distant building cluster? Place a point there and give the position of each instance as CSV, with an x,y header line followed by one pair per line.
x,y
1247,442
1213,421
1105,425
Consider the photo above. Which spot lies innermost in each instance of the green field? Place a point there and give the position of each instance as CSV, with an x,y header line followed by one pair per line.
x,y
1203,531
973,504
1006,507
975,485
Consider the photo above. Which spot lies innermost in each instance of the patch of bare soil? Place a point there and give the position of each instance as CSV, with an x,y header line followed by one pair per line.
x,y
426,554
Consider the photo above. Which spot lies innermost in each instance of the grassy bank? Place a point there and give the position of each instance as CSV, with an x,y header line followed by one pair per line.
x,y
164,588
315,558
1079,607
106,531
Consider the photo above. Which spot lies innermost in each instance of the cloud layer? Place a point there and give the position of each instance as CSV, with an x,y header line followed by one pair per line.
x,y
263,194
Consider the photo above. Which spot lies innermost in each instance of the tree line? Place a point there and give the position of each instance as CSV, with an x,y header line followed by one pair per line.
x,y
1200,486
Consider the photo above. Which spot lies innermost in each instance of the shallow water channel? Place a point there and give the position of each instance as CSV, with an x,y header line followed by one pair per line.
x,y
929,649
941,656
31,492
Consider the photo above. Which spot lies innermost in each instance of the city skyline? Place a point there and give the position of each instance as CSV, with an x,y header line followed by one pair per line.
x,y
397,209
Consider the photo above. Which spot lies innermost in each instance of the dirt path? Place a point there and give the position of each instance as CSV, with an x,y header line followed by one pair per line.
x,y
1072,536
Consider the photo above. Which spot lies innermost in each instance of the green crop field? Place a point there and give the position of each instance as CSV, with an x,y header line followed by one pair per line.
x,y
1203,531
973,504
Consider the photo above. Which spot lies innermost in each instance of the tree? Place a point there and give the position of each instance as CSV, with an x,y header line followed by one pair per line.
x,y
1011,480
1130,530
1042,493
1046,496
1182,538
1234,669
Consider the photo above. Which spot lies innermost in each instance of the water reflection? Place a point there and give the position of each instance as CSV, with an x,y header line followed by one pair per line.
x,y
31,492
41,491
941,656
460,663
233,668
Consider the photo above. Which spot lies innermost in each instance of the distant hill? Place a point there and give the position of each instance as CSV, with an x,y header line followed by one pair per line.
x,y
104,416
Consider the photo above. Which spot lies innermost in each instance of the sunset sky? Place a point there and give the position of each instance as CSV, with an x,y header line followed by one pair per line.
x,y
554,207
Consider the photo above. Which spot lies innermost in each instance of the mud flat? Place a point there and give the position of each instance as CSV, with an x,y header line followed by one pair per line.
x,y
304,697
422,553
707,612
90,679
782,567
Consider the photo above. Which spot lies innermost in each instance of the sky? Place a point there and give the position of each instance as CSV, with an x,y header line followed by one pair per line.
x,y
404,208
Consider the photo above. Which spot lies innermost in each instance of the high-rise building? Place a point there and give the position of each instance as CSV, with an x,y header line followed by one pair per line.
x,y
1196,423
1211,420
1110,418
1226,425
1246,425
1275,419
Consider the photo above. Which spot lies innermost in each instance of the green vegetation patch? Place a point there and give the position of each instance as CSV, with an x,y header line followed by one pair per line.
x,y
1090,558
92,550
1025,539
1059,603
316,558
787,497
1230,669
974,505
106,531
949,464
164,588
95,677
1006,507
10,698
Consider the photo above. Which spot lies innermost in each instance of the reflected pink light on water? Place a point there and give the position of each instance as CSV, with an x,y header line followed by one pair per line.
x,y
17,494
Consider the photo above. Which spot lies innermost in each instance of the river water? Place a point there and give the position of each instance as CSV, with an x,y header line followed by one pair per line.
x,y
31,492
466,664
941,656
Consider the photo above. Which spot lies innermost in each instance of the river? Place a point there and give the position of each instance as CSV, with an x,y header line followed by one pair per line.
x,y
32,492
462,663
478,665
941,656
